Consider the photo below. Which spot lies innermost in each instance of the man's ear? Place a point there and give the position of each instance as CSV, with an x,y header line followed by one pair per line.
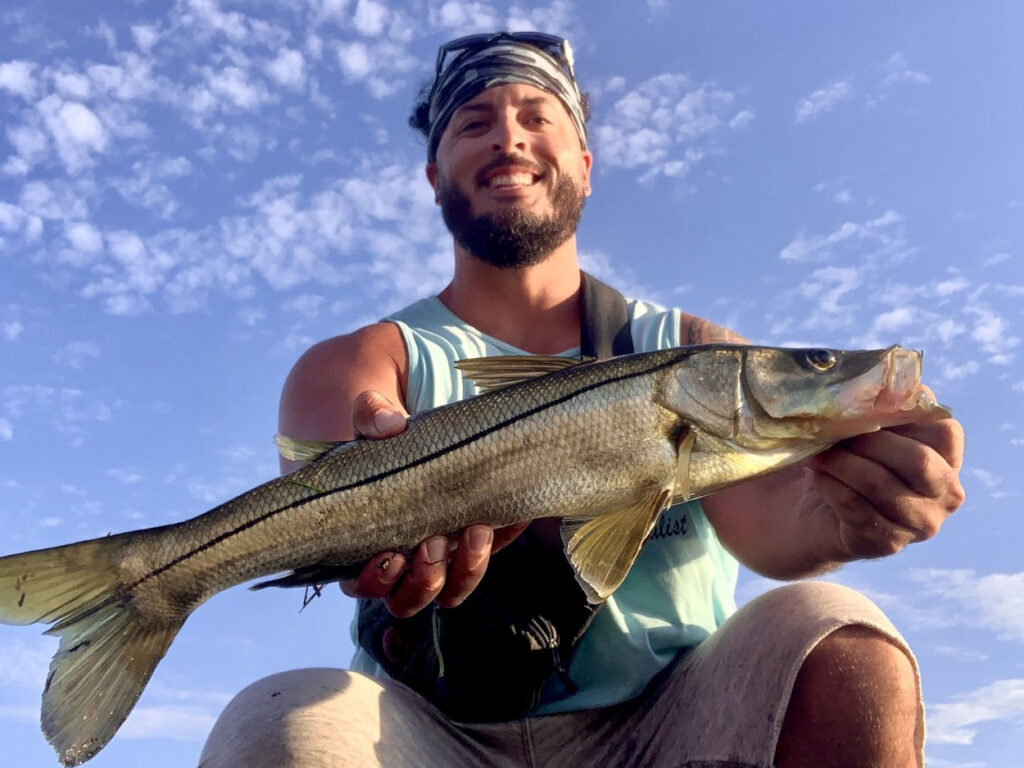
x,y
431,171
588,164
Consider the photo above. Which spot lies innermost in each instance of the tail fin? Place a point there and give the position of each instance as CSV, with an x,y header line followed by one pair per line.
x,y
107,650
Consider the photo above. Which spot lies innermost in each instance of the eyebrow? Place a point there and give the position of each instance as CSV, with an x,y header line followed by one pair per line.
x,y
531,101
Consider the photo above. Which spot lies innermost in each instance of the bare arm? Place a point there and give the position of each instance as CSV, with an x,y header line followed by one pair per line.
x,y
353,386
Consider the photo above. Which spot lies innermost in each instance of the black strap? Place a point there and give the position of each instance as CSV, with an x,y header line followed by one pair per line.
x,y
604,320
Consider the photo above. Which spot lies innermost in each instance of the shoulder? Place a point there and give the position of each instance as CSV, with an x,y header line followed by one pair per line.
x,y
316,401
377,345
697,330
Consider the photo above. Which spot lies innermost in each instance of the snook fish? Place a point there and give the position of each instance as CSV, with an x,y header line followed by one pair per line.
x,y
604,445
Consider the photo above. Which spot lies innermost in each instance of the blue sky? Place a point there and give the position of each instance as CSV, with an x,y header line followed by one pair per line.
x,y
191,193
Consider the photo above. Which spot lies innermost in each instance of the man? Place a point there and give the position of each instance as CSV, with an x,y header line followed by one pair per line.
x,y
807,675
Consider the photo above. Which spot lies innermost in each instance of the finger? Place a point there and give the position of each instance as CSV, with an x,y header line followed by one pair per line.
x,y
945,436
373,415
423,580
911,457
505,536
468,565
869,490
377,578
863,532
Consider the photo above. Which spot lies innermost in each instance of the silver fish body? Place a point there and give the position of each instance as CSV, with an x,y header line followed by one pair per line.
x,y
605,446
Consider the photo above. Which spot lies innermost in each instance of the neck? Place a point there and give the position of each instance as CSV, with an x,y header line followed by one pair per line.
x,y
535,308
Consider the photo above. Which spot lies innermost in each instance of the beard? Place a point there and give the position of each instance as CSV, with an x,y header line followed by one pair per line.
x,y
511,237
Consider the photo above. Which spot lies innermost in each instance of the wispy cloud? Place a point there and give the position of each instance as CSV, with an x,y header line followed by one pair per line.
x,y
956,720
883,235
899,73
822,101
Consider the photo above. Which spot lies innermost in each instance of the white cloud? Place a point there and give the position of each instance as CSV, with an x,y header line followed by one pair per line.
x,y
895,319
370,17
378,65
741,120
6,430
72,85
77,353
168,722
883,236
956,720
823,100
307,305
84,236
664,126
124,476
25,664
145,36
16,77
234,85
288,69
898,72
76,131
991,330
968,368
993,601
11,329
463,15
987,478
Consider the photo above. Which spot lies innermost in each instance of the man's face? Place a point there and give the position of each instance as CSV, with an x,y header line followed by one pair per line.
x,y
510,175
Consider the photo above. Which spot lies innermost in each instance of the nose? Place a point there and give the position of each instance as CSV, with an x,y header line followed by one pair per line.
x,y
508,134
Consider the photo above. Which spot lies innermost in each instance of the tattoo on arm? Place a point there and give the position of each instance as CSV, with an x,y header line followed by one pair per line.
x,y
697,330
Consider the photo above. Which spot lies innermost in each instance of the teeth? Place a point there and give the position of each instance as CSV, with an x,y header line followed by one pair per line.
x,y
511,180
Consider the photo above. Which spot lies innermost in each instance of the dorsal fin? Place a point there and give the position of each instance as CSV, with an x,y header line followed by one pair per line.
x,y
490,373
304,450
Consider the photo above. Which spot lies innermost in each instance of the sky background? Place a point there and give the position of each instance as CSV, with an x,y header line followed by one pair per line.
x,y
192,193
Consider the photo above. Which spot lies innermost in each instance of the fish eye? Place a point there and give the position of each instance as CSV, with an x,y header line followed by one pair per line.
x,y
821,359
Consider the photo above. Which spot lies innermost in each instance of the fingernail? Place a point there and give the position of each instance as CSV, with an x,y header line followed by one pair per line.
x,y
437,550
387,421
480,539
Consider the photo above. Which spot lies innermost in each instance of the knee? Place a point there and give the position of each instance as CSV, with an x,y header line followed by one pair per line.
x,y
856,695
258,727
860,661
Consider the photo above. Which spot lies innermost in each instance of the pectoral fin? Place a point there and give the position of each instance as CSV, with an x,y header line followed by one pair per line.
x,y
490,373
602,550
683,488
303,450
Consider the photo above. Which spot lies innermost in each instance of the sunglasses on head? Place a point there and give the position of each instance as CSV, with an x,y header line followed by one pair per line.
x,y
556,47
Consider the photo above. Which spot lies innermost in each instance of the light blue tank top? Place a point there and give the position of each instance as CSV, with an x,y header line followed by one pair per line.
x,y
681,587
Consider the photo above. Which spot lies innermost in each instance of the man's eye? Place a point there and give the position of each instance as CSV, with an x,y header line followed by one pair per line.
x,y
472,125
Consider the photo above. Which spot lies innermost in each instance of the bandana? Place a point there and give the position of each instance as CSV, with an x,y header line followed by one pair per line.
x,y
502,63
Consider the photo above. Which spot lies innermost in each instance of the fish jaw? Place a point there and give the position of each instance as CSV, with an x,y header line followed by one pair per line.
x,y
888,395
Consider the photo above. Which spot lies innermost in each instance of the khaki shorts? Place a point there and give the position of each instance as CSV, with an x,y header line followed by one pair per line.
x,y
721,704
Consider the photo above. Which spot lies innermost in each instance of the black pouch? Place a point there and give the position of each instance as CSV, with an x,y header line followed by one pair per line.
x,y
490,658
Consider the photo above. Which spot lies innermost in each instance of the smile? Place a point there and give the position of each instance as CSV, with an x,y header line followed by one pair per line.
x,y
506,180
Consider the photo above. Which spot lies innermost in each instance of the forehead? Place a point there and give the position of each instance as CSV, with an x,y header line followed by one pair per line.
x,y
511,94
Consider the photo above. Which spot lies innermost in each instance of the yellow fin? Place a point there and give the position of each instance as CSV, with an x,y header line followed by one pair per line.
x,y
303,450
490,373
107,650
602,549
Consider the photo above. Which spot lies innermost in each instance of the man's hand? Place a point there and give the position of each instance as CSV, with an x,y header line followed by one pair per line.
x,y
444,569
887,489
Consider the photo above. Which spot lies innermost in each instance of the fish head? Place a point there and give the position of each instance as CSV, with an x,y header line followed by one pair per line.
x,y
830,394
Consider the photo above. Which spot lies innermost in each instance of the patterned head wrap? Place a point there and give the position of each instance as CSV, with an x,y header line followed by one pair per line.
x,y
502,62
